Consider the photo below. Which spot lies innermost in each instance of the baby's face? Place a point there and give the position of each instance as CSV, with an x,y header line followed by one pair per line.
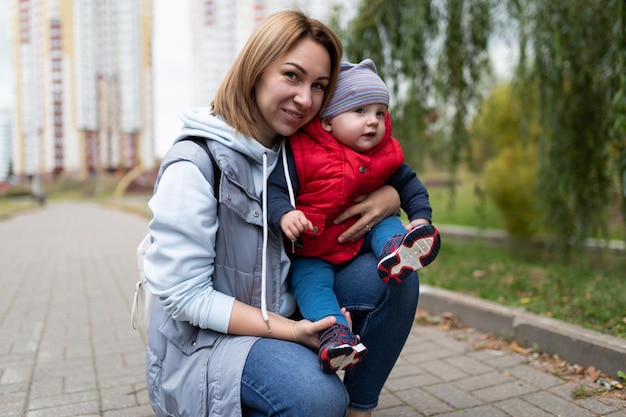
x,y
360,129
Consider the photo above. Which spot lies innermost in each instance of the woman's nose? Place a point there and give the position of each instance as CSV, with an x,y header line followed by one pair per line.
x,y
303,97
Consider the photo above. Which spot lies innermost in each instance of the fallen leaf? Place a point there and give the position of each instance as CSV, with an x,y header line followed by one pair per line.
x,y
592,374
449,321
518,348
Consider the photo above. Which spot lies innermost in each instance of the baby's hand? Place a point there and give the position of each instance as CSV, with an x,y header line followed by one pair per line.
x,y
416,222
293,223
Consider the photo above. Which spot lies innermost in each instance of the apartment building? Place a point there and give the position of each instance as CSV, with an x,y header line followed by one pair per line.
x,y
82,72
83,100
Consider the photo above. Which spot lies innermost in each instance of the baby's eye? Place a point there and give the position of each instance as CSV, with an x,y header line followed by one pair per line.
x,y
360,110
380,114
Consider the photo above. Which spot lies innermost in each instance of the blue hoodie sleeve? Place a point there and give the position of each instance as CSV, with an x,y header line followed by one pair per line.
x,y
413,194
277,192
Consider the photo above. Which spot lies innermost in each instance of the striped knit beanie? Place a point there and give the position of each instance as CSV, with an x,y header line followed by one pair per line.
x,y
358,85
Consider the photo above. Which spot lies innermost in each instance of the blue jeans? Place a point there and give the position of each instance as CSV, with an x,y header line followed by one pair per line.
x,y
312,279
382,315
284,379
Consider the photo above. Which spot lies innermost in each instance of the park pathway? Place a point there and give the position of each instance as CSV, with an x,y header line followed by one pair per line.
x,y
67,272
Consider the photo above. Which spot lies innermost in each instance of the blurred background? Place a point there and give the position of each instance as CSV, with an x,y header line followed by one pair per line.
x,y
512,112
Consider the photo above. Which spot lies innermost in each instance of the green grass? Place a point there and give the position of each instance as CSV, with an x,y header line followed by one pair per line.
x,y
590,293
467,206
11,206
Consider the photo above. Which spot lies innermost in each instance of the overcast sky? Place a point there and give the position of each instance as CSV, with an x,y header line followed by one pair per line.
x,y
172,69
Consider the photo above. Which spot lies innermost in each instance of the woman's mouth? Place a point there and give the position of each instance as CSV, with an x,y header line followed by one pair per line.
x,y
293,115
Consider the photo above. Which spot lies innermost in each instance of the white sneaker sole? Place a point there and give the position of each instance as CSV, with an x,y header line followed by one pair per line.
x,y
344,362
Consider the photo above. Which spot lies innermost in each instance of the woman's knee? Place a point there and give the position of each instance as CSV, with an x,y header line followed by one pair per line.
x,y
310,397
328,398
282,378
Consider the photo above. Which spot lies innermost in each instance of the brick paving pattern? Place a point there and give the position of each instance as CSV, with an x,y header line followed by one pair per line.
x,y
67,348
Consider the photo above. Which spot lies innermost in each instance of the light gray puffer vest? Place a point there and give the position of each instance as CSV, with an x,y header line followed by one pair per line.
x,y
197,372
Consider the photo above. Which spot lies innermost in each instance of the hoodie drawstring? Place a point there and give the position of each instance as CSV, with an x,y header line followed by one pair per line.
x,y
292,198
264,252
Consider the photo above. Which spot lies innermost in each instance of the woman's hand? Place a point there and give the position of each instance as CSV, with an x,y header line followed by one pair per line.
x,y
347,315
372,209
307,333
247,320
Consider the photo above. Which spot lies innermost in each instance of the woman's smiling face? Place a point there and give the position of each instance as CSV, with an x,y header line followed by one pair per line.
x,y
291,90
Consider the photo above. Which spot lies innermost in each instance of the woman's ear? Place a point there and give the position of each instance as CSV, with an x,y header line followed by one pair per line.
x,y
327,124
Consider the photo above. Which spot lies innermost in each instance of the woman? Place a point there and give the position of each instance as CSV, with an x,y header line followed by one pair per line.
x,y
220,340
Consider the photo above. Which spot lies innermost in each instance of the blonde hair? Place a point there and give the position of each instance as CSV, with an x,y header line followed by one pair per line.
x,y
234,100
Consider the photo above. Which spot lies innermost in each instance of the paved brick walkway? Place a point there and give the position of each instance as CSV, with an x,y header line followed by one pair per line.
x,y
67,349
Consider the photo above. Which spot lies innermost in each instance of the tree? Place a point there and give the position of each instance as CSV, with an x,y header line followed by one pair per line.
x,y
574,53
496,125
572,56
509,161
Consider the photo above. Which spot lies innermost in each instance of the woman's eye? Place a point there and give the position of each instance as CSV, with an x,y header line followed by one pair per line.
x,y
291,75
319,86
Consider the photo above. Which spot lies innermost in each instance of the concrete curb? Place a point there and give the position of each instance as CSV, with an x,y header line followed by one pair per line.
x,y
571,343
470,233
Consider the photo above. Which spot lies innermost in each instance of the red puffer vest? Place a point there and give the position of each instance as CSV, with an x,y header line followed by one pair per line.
x,y
331,177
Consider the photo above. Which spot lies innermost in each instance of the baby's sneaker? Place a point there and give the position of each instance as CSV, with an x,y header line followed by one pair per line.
x,y
405,253
339,349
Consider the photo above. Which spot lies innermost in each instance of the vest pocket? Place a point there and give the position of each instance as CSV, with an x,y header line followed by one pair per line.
x,y
187,337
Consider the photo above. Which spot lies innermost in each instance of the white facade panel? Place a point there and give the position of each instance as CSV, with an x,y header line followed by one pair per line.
x,y
5,144
129,30
30,84
85,66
